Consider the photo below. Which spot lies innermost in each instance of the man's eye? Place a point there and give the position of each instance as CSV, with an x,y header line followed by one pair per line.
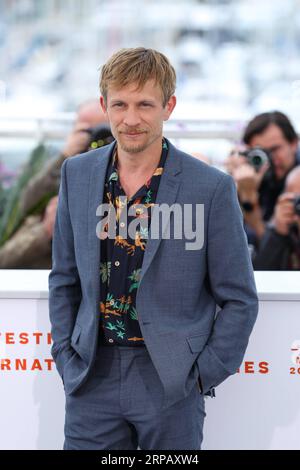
x,y
146,105
118,105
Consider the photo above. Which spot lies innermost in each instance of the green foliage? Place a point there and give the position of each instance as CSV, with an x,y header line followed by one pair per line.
x,y
12,216
133,313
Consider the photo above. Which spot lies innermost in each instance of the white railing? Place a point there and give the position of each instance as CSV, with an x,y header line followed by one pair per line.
x,y
56,126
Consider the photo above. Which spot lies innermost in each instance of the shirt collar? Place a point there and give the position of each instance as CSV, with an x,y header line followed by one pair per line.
x,y
113,174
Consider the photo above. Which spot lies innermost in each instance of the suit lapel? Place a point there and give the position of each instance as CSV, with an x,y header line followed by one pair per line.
x,y
96,189
167,193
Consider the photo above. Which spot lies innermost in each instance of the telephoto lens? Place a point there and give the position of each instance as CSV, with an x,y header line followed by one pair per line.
x,y
256,157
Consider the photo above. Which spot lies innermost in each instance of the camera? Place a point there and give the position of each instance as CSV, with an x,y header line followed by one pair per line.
x,y
256,157
99,136
297,205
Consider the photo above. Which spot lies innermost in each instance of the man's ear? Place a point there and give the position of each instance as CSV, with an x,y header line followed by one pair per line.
x,y
169,107
103,105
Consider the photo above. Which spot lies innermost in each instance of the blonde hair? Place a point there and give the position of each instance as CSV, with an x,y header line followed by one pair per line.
x,y
138,65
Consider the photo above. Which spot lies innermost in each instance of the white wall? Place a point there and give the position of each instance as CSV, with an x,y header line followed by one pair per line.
x,y
257,408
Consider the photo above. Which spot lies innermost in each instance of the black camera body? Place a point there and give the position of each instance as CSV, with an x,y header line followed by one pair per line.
x,y
256,157
297,205
99,136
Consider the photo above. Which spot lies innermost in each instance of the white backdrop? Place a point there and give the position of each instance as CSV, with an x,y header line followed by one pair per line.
x,y
258,408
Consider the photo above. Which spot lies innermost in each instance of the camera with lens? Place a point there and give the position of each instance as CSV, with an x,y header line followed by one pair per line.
x,y
297,205
99,136
256,157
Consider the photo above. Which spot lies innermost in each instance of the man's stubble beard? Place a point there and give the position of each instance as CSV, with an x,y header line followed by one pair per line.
x,y
139,147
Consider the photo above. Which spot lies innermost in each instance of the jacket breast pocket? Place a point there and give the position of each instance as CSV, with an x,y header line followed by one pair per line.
x,y
197,342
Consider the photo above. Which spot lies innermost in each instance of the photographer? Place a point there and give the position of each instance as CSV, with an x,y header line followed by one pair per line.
x,y
29,243
45,183
260,168
280,246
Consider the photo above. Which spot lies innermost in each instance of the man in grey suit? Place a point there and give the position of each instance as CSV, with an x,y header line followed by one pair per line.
x,y
145,323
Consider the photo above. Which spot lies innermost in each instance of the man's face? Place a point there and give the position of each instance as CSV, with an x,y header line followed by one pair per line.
x,y
293,183
282,151
136,116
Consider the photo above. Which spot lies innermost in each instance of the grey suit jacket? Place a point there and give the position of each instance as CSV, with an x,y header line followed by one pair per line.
x,y
196,308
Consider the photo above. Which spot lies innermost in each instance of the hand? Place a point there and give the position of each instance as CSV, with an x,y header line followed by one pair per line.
x,y
235,159
248,181
49,216
78,140
284,213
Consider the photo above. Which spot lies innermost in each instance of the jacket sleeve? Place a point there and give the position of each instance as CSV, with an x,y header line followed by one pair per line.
x,y
64,282
232,284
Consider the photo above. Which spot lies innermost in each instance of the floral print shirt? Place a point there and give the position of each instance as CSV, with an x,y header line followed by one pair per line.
x,y
122,255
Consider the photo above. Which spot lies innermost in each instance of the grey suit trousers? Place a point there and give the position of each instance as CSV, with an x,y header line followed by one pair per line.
x,y
121,407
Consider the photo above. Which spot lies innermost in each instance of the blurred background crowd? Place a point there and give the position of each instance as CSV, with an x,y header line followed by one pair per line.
x,y
238,92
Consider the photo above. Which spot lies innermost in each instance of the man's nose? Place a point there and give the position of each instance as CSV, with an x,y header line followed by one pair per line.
x,y
131,118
